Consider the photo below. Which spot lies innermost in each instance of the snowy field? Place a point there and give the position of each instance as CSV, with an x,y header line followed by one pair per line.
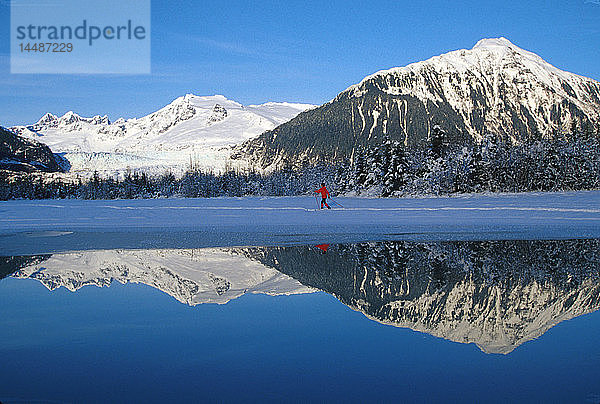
x,y
48,226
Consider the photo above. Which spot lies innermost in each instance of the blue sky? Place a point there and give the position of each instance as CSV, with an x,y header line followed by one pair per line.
x,y
298,51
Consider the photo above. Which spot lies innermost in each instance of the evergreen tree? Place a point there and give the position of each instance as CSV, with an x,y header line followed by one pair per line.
x,y
374,166
360,169
438,138
436,176
396,172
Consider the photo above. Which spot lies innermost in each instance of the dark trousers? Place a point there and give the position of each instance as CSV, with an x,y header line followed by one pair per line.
x,y
324,201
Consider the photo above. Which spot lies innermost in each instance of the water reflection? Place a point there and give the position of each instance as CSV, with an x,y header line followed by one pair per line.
x,y
191,276
9,265
496,294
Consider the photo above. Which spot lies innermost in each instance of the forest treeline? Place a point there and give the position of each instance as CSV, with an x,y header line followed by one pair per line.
x,y
387,168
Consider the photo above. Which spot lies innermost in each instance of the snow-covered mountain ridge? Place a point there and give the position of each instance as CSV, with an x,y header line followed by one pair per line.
x,y
191,277
487,71
495,87
190,129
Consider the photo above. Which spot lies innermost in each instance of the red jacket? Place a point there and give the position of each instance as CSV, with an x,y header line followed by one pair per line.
x,y
323,191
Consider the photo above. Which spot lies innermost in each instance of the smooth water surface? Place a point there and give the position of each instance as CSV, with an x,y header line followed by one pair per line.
x,y
460,321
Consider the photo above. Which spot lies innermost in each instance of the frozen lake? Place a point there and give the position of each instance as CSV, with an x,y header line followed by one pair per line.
x,y
463,299
34,227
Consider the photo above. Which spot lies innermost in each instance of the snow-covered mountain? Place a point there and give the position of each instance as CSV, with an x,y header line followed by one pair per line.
x,y
20,154
495,87
495,294
190,276
191,130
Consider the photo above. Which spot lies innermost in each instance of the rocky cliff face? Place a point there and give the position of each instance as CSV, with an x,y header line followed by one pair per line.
x,y
20,154
495,87
218,114
496,294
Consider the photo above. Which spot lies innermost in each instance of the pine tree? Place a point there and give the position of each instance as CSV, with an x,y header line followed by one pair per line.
x,y
438,138
374,166
343,181
437,168
463,170
360,169
395,174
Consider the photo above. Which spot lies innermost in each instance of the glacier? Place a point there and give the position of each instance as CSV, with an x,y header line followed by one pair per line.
x,y
192,131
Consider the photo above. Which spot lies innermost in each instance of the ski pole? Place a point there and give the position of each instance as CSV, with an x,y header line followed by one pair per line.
x,y
337,203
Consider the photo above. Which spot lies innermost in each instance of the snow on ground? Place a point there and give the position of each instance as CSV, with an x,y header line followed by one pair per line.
x,y
33,227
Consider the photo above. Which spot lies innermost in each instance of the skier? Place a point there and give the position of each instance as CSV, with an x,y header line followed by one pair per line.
x,y
324,195
323,248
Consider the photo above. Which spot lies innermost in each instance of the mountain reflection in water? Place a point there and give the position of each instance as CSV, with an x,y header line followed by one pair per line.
x,y
496,294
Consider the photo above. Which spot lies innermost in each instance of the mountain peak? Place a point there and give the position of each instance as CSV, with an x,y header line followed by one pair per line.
x,y
495,87
494,42
502,46
191,96
48,118
99,120
69,118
